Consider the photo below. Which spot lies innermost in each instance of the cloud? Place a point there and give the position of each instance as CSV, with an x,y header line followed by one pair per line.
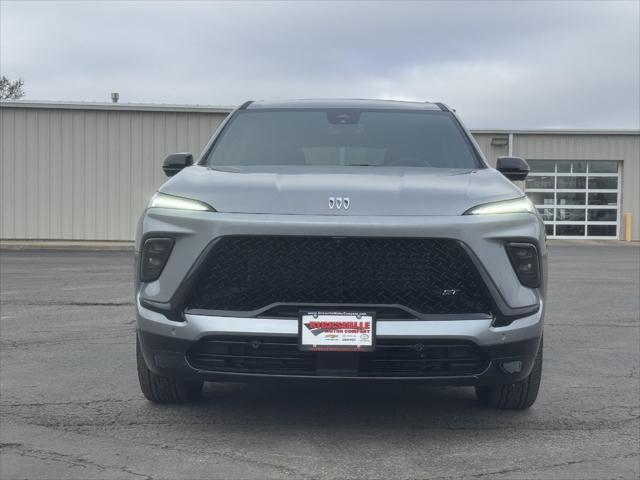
x,y
500,64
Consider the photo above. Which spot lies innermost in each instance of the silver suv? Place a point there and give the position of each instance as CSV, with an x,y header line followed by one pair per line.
x,y
346,240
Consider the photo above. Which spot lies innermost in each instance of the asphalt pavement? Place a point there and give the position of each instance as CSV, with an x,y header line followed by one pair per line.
x,y
71,408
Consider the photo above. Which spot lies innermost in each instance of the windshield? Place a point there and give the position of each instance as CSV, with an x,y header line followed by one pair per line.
x,y
339,137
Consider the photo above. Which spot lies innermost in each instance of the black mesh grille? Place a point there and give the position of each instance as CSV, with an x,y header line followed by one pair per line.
x,y
281,356
430,276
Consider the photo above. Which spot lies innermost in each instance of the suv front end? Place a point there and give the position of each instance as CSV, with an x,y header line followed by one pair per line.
x,y
448,261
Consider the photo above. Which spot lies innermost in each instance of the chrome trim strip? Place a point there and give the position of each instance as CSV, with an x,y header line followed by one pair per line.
x,y
478,331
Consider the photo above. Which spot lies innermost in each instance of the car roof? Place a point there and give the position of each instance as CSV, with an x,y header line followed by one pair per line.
x,y
343,103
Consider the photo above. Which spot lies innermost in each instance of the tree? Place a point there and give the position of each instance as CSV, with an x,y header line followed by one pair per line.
x,y
11,90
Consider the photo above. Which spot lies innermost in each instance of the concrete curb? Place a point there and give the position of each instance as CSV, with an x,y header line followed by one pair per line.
x,y
64,245
591,243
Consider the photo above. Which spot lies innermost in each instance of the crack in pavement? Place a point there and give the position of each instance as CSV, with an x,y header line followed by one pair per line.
x,y
536,468
81,462
113,412
41,420
85,402
72,460
13,344
234,457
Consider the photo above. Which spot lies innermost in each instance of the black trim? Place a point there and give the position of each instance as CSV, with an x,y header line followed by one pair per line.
x,y
460,381
167,356
138,254
514,262
144,252
442,106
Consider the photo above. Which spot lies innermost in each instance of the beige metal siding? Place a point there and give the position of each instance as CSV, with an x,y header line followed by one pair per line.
x,y
491,152
623,148
87,174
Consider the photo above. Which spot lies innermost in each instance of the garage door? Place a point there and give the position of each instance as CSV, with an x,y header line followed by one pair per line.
x,y
576,198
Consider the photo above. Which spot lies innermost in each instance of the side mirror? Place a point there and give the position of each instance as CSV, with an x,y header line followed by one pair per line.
x,y
514,168
176,162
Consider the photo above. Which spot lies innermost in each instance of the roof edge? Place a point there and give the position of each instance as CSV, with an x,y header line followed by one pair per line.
x,y
140,107
557,131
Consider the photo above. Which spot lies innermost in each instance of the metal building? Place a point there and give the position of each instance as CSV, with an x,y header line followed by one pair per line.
x,y
582,181
84,171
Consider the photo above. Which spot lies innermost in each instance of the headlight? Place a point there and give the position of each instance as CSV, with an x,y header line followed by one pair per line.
x,y
518,205
162,200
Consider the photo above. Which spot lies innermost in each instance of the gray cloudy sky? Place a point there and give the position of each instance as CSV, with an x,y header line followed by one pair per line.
x,y
500,64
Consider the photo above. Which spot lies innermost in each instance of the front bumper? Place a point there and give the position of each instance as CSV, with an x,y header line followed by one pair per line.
x,y
167,333
166,343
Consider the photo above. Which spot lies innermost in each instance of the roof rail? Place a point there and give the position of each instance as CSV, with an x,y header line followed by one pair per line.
x,y
444,107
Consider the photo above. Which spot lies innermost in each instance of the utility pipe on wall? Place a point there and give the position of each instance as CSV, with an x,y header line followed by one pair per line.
x,y
627,226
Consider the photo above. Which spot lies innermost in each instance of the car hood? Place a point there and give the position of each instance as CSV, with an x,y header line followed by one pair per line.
x,y
370,190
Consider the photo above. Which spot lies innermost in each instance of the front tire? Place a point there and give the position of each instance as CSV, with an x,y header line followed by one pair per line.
x,y
514,396
159,389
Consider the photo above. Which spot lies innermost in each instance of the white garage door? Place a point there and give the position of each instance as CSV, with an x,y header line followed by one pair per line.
x,y
576,198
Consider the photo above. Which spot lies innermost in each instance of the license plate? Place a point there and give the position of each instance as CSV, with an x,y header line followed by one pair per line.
x,y
337,331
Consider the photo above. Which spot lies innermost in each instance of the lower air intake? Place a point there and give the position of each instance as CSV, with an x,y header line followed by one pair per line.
x,y
281,356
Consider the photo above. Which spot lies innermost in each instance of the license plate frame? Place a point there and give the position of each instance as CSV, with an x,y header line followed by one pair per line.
x,y
348,339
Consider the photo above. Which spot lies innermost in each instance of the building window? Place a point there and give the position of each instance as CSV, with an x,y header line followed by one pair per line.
x,y
576,198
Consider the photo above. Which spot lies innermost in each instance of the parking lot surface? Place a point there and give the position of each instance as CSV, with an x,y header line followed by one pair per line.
x,y
71,407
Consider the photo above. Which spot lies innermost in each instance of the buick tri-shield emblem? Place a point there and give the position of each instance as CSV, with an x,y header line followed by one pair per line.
x,y
339,203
